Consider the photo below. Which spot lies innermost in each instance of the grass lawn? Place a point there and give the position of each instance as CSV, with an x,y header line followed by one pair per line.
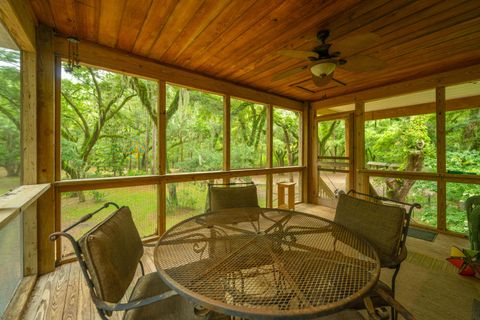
x,y
142,201
8,183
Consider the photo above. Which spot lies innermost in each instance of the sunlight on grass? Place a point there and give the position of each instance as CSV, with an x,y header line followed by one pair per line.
x,y
8,183
142,201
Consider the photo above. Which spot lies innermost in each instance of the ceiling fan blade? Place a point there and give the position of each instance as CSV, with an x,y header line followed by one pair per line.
x,y
288,73
322,81
363,63
339,82
355,43
299,54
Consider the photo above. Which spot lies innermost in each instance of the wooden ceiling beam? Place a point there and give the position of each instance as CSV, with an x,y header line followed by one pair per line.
x,y
18,18
441,79
423,108
111,59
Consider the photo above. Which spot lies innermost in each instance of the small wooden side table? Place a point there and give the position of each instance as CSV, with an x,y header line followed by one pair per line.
x,y
290,187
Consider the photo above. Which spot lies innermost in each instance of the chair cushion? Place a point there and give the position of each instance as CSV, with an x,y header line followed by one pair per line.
x,y
232,197
379,224
112,251
172,308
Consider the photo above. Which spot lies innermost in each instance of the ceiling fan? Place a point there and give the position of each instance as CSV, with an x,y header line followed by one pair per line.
x,y
325,58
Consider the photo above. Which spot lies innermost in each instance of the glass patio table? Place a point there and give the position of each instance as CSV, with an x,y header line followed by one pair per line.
x,y
266,263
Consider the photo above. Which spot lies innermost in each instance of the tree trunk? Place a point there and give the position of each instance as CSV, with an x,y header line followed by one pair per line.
x,y
172,191
398,189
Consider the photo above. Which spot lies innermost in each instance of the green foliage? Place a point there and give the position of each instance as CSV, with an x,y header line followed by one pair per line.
x,y
194,130
107,128
98,196
248,134
395,140
286,130
331,138
10,102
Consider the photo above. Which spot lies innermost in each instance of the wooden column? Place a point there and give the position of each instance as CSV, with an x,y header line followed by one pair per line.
x,y
162,156
269,181
312,156
440,103
29,158
361,183
226,135
29,117
349,139
303,141
46,146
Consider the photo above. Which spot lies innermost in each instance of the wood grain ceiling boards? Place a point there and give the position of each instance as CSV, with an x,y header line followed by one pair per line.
x,y
237,40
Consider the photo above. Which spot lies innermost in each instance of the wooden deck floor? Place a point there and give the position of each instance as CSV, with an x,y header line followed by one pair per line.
x,y
427,285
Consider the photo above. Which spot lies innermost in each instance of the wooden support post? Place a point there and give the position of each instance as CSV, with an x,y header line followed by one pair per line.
x,y
58,109
269,179
269,182
312,156
303,141
441,159
226,135
30,242
349,139
46,146
29,158
361,184
162,156
29,117
269,136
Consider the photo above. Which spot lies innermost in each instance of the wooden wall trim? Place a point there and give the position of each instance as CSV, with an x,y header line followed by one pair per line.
x,y
116,60
429,82
103,183
18,18
423,108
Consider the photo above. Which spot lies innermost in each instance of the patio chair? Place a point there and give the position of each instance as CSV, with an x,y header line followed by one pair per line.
x,y
109,255
384,226
231,195
472,206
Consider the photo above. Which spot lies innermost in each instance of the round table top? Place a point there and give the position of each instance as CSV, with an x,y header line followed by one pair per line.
x,y
266,263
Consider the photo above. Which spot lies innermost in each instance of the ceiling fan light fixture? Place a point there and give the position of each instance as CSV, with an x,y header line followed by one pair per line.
x,y
323,69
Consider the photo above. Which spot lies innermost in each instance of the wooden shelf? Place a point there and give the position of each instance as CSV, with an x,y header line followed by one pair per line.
x,y
18,200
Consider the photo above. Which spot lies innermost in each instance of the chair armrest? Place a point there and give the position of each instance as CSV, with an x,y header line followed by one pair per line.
x,y
107,306
150,244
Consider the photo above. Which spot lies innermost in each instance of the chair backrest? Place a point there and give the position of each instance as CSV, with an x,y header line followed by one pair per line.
x,y
382,225
226,196
111,252
472,206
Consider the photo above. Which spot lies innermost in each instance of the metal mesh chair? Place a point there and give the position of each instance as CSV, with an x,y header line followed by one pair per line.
x,y
384,226
109,255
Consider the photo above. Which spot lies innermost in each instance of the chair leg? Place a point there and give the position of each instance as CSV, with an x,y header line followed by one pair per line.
x,y
141,267
394,278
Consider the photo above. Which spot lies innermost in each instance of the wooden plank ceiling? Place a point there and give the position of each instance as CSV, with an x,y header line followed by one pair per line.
x,y
237,40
